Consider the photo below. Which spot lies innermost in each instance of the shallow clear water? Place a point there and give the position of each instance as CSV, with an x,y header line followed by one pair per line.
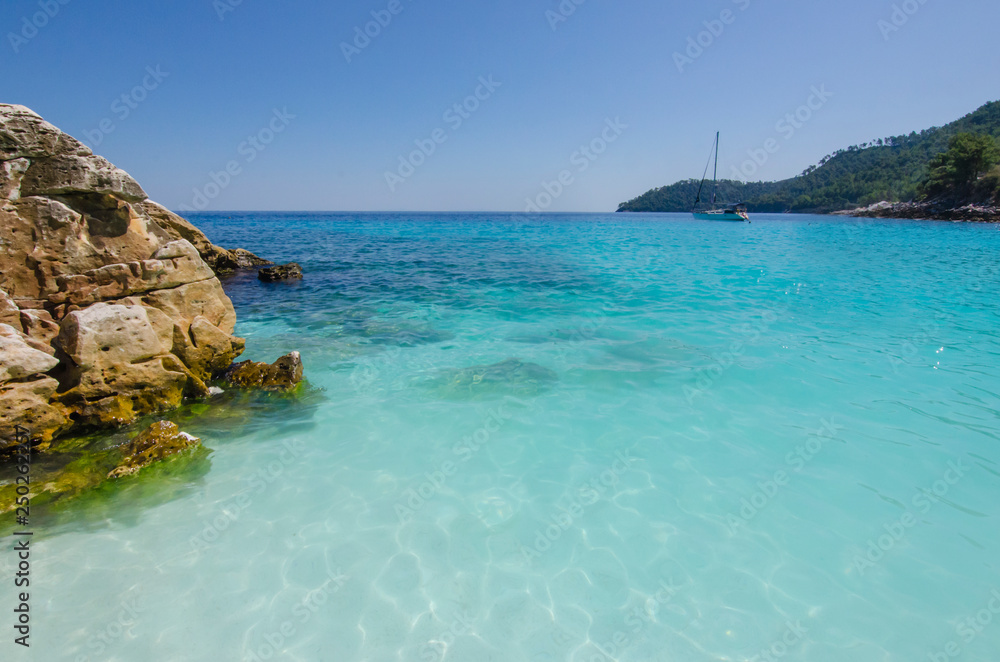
x,y
571,438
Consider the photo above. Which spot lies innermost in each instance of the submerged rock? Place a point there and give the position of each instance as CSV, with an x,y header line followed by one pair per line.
x,y
290,271
77,467
510,377
401,333
282,375
158,441
81,474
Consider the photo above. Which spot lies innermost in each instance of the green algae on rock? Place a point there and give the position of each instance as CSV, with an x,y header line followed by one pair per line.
x,y
76,466
282,375
156,442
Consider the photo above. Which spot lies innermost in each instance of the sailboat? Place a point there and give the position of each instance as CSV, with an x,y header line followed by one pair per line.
x,y
737,212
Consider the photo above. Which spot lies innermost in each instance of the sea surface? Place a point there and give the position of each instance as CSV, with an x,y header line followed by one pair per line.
x,y
568,437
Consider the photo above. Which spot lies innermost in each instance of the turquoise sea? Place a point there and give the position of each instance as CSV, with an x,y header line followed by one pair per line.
x,y
570,437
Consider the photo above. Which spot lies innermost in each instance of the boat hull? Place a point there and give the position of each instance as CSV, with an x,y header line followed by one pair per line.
x,y
718,216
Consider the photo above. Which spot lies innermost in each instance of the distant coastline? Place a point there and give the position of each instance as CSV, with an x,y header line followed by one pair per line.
x,y
946,173
929,211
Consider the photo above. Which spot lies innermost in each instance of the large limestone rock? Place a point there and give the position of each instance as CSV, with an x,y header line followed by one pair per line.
x,y
118,368
25,134
111,304
18,360
107,334
31,405
9,312
66,174
204,298
26,390
11,174
206,349
220,259
173,265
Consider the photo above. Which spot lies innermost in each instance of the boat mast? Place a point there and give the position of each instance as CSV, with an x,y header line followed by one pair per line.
x,y
704,175
715,174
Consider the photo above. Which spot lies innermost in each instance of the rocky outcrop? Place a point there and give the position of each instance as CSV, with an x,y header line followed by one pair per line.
x,y
221,260
110,305
290,271
931,211
282,375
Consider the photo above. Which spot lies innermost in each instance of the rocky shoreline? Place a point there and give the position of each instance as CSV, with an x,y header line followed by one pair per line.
x,y
931,211
111,307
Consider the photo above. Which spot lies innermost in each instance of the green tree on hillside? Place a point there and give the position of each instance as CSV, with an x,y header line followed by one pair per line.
x,y
968,157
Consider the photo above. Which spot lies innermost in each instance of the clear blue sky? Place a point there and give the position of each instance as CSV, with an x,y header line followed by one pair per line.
x,y
558,87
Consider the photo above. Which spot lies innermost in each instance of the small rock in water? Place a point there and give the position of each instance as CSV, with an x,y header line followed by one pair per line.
x,y
282,375
159,440
290,271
